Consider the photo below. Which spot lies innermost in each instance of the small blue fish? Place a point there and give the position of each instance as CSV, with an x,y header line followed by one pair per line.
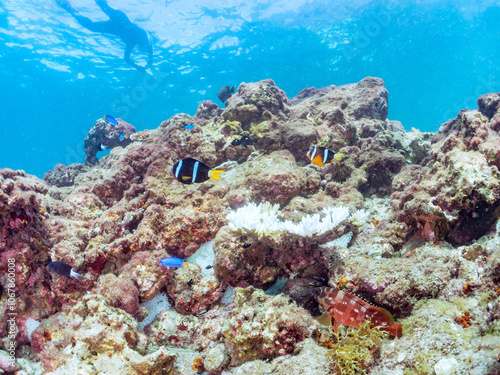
x,y
111,120
65,270
173,262
189,127
121,136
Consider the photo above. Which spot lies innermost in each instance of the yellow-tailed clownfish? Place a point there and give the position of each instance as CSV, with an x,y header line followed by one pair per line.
x,y
189,171
320,155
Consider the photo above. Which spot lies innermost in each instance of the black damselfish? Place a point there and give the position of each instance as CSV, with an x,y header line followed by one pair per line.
x,y
65,270
244,141
189,171
225,93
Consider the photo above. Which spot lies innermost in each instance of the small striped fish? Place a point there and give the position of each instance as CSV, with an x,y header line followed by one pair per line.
x,y
350,310
320,155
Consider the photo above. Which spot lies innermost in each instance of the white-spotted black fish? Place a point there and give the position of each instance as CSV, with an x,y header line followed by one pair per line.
x,y
244,141
65,270
225,93
320,155
189,171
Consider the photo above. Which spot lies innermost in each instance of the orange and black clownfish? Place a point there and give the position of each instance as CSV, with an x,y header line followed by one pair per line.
x,y
189,171
350,310
320,155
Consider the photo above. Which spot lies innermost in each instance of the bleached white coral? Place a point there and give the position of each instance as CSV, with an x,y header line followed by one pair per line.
x,y
31,324
342,241
263,218
158,303
314,224
359,217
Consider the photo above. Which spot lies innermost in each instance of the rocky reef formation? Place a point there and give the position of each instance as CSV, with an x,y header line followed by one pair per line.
x,y
64,175
420,238
105,135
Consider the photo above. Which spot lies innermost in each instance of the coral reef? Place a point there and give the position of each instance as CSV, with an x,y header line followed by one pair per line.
x,y
415,231
64,175
107,135
100,335
264,326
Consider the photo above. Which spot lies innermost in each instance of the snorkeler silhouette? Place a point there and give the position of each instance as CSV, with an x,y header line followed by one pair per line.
x,y
119,25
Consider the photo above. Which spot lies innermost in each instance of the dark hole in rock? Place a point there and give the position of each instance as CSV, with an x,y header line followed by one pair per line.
x,y
473,224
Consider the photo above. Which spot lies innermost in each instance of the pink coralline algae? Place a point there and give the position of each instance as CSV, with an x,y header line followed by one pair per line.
x,y
422,213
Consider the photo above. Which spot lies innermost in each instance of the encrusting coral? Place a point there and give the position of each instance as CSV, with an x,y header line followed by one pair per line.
x,y
264,326
406,220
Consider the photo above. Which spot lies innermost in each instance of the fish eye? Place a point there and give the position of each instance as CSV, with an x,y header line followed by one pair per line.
x,y
316,292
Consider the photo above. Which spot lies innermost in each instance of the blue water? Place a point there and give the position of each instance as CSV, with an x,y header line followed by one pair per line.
x,y
436,57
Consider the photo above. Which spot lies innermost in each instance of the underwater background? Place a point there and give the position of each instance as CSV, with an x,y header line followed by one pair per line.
x,y
435,57
339,213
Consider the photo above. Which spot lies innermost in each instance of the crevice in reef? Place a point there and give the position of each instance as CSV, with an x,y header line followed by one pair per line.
x,y
474,223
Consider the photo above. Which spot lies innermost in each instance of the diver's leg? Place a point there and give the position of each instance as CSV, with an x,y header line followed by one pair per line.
x,y
96,27
150,53
111,12
128,50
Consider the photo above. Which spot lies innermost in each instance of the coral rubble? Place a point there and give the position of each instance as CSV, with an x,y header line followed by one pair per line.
x,y
406,220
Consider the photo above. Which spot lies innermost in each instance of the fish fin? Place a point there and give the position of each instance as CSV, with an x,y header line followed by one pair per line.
x,y
335,326
318,160
186,264
325,319
387,315
75,275
215,174
338,156
185,178
395,330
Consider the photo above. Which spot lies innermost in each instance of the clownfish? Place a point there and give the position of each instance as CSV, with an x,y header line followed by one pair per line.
x,y
189,171
320,155
350,310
